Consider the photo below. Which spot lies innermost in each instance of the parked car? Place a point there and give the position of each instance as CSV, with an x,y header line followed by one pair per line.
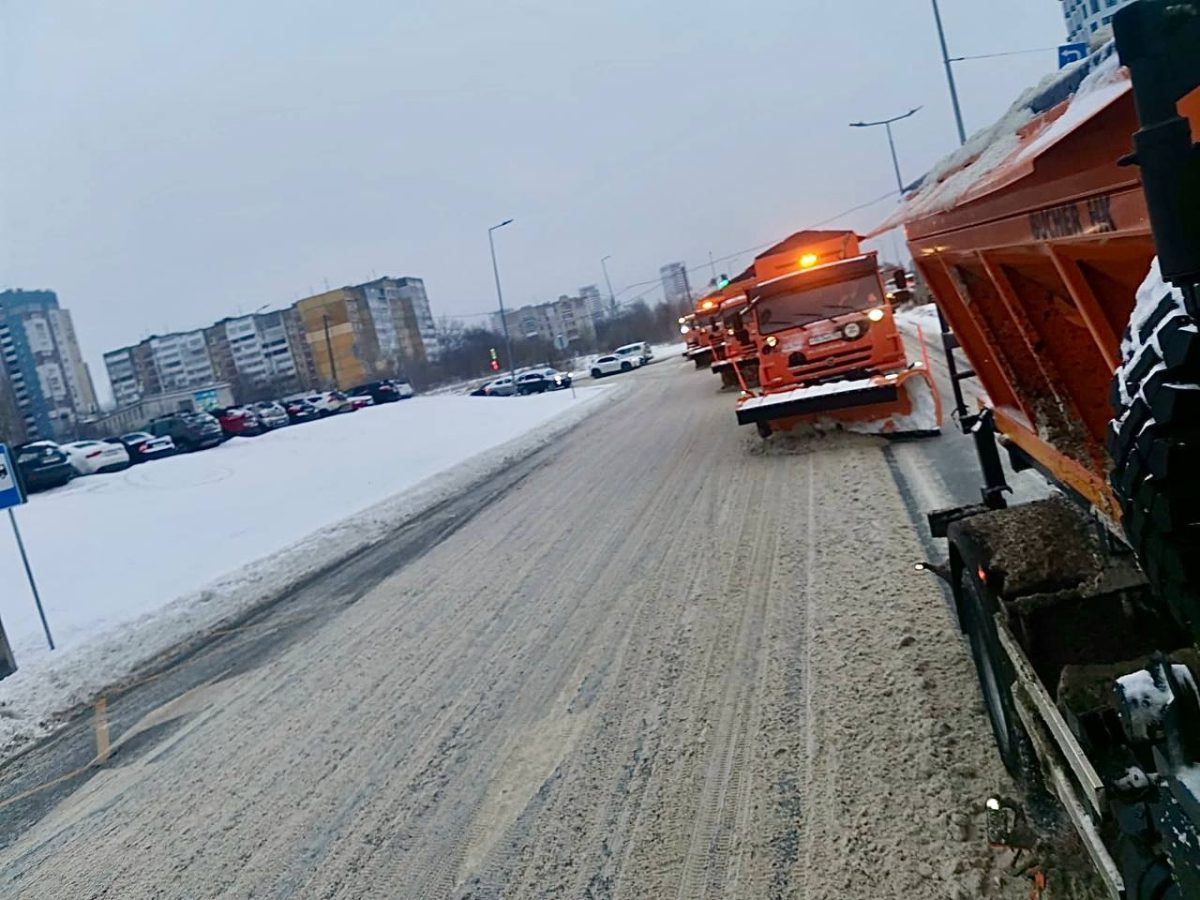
x,y
639,353
403,388
501,387
385,391
538,381
558,380
329,403
608,365
143,446
300,410
43,465
189,430
271,414
359,401
239,421
90,457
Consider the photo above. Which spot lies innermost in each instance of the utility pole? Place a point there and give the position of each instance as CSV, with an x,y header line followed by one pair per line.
x,y
958,119
512,369
612,299
887,123
329,350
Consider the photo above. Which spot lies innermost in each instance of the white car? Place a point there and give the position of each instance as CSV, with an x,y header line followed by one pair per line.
x,y
639,352
501,387
403,388
90,457
611,364
328,403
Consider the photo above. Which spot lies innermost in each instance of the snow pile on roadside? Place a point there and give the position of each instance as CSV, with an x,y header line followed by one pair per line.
x,y
133,563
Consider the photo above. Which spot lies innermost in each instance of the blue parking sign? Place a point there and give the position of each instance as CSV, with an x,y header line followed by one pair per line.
x,y
10,486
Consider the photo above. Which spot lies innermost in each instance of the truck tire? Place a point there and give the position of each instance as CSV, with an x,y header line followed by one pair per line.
x,y
1154,440
996,678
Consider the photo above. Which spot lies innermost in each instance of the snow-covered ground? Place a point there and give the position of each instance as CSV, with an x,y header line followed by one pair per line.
x,y
129,564
925,317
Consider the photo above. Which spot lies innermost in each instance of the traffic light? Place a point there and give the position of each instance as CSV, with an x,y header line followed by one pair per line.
x,y
495,361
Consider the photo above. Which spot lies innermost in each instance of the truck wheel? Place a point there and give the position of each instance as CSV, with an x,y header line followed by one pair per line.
x,y
995,677
1154,438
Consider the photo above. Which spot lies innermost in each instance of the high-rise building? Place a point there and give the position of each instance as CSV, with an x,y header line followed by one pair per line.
x,y
49,380
258,352
418,317
1086,17
403,321
570,317
340,330
12,426
676,290
592,298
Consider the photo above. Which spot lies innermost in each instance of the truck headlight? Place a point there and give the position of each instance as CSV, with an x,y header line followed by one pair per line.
x,y
853,331
876,315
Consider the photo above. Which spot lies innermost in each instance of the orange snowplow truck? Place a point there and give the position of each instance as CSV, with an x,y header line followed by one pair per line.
x,y
737,362
828,346
1082,611
705,333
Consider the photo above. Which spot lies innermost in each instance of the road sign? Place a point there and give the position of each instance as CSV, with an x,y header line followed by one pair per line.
x,y
208,399
561,342
10,486
1069,53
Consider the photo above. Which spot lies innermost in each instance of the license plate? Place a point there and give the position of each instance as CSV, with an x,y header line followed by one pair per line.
x,y
824,338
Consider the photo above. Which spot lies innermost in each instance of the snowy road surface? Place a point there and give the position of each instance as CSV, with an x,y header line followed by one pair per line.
x,y
664,663
130,563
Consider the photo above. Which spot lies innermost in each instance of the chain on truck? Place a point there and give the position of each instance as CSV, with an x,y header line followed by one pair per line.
x,y
1083,611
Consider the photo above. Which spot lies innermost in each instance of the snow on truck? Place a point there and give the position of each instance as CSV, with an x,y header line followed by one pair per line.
x,y
1083,611
828,346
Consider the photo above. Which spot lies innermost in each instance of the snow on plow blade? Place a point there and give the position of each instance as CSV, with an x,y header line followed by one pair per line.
x,y
900,403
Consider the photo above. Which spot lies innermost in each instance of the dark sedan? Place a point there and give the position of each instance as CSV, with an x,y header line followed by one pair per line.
x,y
143,446
43,466
379,391
301,411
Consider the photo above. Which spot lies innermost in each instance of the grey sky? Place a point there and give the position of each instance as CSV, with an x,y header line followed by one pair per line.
x,y
168,162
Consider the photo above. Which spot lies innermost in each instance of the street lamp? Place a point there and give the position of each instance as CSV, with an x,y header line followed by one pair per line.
x,y
612,300
887,123
512,371
329,350
958,119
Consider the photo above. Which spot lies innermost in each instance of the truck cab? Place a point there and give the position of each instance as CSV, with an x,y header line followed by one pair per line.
x,y
828,345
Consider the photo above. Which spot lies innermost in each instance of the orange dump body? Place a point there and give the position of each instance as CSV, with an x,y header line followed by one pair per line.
x,y
1036,268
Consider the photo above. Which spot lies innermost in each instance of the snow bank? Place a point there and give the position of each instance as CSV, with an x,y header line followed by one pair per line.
x,y
132,563
954,177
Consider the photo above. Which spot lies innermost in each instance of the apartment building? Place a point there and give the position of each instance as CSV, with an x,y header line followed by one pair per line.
x,y
45,371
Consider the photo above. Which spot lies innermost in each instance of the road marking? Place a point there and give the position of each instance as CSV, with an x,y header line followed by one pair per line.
x,y
101,725
810,737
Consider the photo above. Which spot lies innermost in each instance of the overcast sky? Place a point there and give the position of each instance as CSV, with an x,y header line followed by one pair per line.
x,y
169,162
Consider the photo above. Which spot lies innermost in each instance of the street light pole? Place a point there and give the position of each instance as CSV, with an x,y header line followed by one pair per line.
x,y
612,299
512,369
958,119
887,124
329,350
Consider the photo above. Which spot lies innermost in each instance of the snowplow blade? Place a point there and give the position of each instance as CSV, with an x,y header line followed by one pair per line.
x,y
899,403
701,356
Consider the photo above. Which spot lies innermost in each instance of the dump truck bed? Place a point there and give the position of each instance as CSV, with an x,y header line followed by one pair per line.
x,y
1034,240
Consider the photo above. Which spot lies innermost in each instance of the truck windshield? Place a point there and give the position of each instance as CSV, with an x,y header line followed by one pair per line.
x,y
812,304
